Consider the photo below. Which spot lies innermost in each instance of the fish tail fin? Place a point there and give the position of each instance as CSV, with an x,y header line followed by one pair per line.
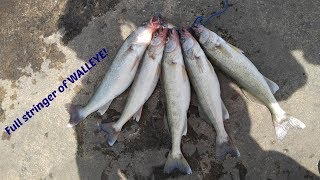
x,y
111,131
75,117
178,162
223,148
284,123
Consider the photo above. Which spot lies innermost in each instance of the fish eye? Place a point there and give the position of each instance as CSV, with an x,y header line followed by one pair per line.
x,y
155,34
167,39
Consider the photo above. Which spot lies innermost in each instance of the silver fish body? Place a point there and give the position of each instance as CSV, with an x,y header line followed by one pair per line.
x,y
143,85
177,94
206,85
119,75
234,63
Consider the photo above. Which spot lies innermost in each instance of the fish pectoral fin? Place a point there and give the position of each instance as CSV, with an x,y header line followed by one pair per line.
x,y
250,97
236,49
225,112
211,67
134,46
135,63
159,70
272,85
104,108
225,51
200,65
184,73
203,115
137,115
196,54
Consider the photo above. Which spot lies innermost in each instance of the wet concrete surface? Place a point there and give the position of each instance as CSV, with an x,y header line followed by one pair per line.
x,y
42,43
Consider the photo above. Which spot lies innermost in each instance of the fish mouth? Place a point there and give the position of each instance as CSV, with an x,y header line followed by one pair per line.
x,y
197,29
161,29
163,32
156,20
184,33
197,22
186,39
163,21
171,33
172,40
159,36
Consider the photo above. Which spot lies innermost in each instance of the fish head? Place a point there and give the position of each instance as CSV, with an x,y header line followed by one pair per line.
x,y
186,39
159,37
201,32
144,32
172,40
154,23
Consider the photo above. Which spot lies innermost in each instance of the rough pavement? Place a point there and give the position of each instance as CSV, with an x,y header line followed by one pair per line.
x,y
43,42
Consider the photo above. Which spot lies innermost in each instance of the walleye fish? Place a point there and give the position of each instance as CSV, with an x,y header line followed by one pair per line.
x,y
206,85
120,74
143,85
177,93
233,62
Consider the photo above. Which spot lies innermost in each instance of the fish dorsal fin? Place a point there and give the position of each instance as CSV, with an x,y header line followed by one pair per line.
x,y
225,112
235,48
250,97
272,85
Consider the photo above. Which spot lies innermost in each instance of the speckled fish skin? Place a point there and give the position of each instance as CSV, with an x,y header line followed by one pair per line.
x,y
143,85
206,85
233,62
177,93
120,74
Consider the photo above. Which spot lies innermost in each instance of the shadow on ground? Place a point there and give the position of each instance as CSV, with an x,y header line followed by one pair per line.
x,y
141,150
